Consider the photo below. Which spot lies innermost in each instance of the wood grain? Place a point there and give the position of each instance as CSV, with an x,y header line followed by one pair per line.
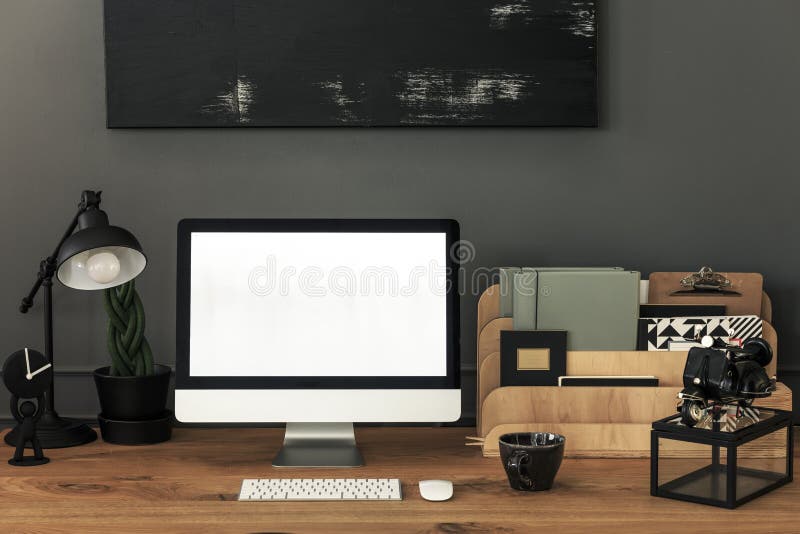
x,y
488,306
626,440
766,307
488,309
553,404
489,336
190,485
488,343
612,421
488,378
771,336
666,365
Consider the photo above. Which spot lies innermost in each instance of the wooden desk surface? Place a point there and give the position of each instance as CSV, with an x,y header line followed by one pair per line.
x,y
192,482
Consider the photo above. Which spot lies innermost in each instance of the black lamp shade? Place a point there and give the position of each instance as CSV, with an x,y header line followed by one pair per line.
x,y
85,243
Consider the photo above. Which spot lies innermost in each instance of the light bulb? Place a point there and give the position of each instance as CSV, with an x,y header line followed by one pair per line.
x,y
102,267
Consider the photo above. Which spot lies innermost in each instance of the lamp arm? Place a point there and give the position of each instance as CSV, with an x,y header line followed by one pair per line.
x,y
47,267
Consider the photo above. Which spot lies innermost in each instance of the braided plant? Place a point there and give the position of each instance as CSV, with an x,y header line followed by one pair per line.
x,y
130,352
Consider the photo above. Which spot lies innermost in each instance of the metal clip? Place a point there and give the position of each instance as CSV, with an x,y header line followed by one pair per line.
x,y
705,281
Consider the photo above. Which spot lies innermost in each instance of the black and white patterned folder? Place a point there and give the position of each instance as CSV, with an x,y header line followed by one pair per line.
x,y
656,334
731,419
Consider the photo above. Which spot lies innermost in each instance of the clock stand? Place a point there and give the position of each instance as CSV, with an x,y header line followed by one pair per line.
x,y
27,415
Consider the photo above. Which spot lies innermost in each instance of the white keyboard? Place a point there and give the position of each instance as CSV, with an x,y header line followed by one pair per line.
x,y
320,489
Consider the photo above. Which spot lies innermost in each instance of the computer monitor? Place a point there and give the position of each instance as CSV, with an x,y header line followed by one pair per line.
x,y
317,323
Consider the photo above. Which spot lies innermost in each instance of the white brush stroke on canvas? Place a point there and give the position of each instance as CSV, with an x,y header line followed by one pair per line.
x,y
235,101
460,95
336,94
582,19
502,13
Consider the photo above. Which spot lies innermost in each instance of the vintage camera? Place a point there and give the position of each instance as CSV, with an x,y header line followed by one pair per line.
x,y
720,374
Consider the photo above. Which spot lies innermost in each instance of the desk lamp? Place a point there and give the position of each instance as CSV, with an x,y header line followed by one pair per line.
x,y
97,256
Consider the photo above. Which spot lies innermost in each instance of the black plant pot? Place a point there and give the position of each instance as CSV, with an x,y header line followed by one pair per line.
x,y
134,407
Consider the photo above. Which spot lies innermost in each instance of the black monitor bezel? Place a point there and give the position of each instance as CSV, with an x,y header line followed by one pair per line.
x,y
452,380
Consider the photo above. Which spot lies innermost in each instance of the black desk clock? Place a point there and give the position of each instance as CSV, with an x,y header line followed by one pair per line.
x,y
27,374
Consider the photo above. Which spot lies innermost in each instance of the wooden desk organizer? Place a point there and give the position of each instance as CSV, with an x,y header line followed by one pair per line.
x,y
599,422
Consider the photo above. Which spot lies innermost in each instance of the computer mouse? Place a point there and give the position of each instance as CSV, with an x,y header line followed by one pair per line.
x,y
435,490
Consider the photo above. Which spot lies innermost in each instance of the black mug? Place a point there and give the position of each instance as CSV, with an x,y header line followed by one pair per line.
x,y
531,459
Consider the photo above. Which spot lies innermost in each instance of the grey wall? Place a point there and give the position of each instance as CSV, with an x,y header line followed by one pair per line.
x,y
699,120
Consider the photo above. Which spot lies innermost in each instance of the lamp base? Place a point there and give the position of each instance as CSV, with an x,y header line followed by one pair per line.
x,y
55,432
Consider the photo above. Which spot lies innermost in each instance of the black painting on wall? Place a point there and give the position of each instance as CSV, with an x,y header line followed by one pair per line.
x,y
194,63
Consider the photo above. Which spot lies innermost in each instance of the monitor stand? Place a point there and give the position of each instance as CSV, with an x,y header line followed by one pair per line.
x,y
319,445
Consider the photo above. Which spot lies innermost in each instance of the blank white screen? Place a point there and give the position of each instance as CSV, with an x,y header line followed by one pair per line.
x,y
318,304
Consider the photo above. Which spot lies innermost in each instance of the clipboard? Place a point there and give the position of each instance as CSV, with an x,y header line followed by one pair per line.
x,y
743,297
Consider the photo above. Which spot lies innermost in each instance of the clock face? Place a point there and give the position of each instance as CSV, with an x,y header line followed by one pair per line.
x,y
27,373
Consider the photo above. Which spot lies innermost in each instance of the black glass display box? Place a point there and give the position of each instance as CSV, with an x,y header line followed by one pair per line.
x,y
725,460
